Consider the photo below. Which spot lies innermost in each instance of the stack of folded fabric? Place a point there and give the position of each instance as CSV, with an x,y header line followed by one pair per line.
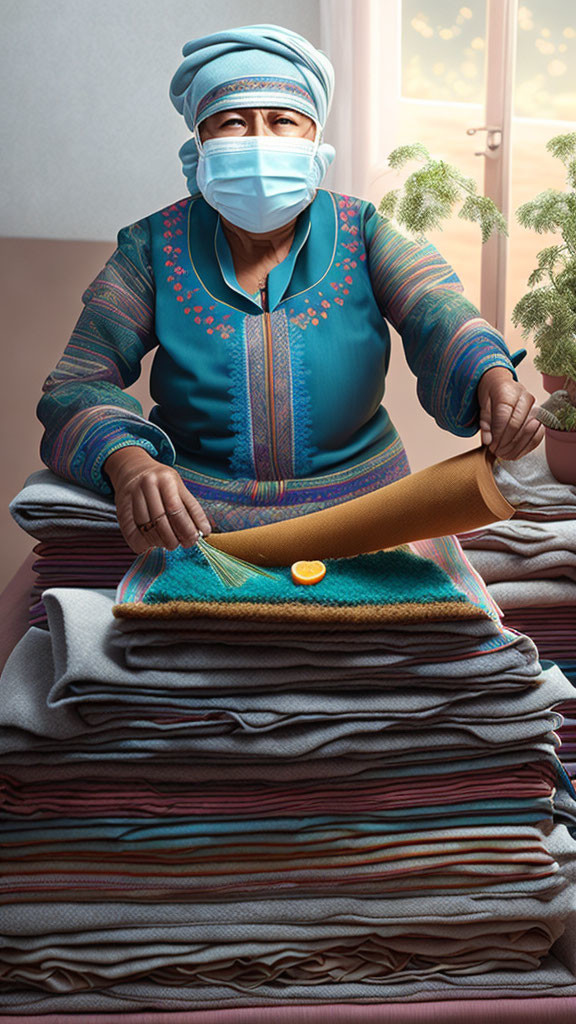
x,y
274,795
80,543
529,565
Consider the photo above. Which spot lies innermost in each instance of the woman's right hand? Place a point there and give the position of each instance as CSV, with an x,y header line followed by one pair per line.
x,y
145,490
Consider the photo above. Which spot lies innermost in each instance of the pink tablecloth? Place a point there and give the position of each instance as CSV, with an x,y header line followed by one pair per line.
x,y
546,1010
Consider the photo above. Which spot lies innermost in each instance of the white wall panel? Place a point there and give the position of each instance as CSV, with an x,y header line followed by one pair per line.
x,y
90,138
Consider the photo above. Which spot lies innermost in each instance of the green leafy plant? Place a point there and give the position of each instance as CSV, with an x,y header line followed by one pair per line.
x,y
568,419
430,194
548,309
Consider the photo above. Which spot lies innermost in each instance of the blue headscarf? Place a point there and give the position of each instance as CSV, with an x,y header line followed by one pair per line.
x,y
251,66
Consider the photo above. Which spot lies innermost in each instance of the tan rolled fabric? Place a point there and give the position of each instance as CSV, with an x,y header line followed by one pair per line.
x,y
449,497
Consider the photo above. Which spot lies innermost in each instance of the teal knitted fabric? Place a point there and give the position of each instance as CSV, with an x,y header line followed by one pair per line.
x,y
397,576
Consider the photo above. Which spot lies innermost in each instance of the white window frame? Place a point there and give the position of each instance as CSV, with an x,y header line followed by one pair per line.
x,y
367,59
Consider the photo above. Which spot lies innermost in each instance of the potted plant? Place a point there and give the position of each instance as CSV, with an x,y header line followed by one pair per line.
x,y
548,309
558,414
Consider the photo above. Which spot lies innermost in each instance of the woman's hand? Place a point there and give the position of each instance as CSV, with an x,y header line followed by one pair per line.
x,y
509,428
145,490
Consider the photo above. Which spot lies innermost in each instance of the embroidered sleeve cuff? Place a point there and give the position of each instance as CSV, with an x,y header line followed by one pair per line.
x,y
518,355
93,434
466,422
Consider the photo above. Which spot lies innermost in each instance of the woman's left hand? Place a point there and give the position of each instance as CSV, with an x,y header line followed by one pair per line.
x,y
507,422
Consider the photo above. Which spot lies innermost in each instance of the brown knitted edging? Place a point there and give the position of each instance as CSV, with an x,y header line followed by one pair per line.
x,y
290,612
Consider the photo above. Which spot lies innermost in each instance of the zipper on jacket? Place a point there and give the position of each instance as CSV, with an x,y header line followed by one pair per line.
x,y
267,326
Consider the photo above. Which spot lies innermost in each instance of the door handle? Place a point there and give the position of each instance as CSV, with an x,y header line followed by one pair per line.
x,y
493,140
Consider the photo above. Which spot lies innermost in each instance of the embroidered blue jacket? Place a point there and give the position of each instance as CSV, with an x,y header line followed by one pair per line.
x,y
266,412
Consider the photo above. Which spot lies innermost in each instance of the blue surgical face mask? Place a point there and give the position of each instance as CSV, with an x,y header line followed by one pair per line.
x,y
261,182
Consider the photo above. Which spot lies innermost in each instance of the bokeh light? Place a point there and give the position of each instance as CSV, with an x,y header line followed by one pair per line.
x,y
443,55
443,50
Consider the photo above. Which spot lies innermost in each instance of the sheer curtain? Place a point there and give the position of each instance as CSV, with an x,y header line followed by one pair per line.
x,y
367,120
362,39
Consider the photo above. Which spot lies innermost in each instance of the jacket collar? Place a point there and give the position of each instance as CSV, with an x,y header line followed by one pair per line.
x,y
310,256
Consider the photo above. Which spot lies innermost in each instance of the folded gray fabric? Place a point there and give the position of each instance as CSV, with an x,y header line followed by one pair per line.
x,y
22,751
250,964
496,566
528,484
143,639
70,683
275,667
105,943
39,712
459,635
49,506
551,978
82,629
523,537
47,674
267,711
198,648
331,633
533,593
225,643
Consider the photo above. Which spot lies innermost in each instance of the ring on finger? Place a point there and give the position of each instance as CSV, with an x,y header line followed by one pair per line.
x,y
175,513
146,527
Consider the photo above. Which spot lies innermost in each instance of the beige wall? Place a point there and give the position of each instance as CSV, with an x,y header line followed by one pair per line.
x,y
42,284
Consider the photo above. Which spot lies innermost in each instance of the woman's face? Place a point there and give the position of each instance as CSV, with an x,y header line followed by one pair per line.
x,y
234,122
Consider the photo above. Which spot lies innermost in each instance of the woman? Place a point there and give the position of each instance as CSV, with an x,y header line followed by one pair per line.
x,y
267,297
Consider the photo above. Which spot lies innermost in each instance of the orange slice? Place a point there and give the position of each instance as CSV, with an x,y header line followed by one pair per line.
x,y
308,572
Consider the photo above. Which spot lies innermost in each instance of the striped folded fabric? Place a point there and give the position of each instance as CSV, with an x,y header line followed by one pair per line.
x,y
552,628
190,860
88,559
278,798
77,791
528,563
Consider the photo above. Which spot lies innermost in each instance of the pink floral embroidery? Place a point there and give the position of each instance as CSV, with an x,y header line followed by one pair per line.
x,y
174,221
343,270
173,218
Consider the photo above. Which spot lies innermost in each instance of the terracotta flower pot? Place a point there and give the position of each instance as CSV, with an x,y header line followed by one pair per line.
x,y
561,454
552,382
